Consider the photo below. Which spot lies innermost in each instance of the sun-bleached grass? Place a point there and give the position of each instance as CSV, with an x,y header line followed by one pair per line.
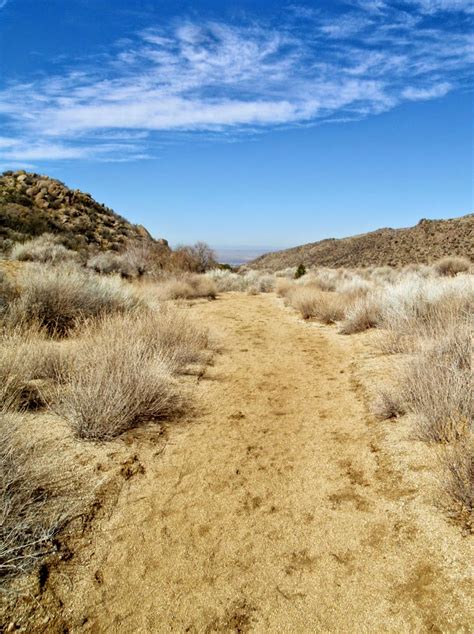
x,y
29,517
45,249
112,385
459,481
361,315
186,286
328,308
417,308
121,373
255,281
29,363
284,287
60,299
452,265
8,292
387,405
436,387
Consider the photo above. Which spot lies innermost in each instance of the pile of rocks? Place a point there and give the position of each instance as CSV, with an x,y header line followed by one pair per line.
x,y
31,203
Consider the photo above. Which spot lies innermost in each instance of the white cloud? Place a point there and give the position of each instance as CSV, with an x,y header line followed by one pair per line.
x,y
420,94
220,77
433,6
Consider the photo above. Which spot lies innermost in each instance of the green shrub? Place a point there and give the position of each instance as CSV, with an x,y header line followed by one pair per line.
x,y
300,271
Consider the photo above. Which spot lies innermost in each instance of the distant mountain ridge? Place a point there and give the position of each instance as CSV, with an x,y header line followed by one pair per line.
x,y
426,242
32,204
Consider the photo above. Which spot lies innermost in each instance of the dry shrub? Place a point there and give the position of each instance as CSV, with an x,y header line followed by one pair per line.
x,y
31,513
168,333
227,281
202,286
187,287
173,289
109,262
284,287
121,372
436,386
387,405
315,304
45,249
29,363
112,385
452,265
137,260
415,309
254,281
58,299
196,258
8,291
362,315
459,483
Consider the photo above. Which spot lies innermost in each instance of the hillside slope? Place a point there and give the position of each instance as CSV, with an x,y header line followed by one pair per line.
x,y
31,204
429,240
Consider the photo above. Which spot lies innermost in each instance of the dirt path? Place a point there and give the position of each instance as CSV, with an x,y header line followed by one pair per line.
x,y
276,510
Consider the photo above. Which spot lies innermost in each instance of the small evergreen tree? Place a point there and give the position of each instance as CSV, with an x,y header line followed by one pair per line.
x,y
300,271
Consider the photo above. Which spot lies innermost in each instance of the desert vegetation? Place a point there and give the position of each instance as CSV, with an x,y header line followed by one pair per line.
x,y
100,353
91,355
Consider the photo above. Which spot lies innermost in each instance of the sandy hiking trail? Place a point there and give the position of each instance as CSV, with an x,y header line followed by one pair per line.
x,y
277,508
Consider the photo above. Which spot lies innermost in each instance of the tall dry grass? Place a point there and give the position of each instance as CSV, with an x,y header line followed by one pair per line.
x,y
312,303
60,299
121,373
186,286
45,249
29,366
436,386
31,508
247,281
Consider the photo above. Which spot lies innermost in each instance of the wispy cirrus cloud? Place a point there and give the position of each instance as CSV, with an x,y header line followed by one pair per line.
x,y
218,77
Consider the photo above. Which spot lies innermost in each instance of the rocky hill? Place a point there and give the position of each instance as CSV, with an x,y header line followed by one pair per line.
x,y
31,205
428,241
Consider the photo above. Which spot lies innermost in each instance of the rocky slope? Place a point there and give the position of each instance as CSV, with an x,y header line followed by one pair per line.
x,y
31,204
428,241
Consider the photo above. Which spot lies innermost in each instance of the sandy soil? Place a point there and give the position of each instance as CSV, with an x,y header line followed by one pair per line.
x,y
282,506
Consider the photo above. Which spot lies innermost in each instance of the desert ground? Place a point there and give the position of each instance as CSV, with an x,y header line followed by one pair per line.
x,y
279,505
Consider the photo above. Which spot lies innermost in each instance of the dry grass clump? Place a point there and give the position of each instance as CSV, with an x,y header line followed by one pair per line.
x,y
437,387
312,303
387,405
250,281
109,262
121,372
452,265
459,482
29,519
46,249
416,308
137,260
113,383
167,332
59,299
29,364
284,287
8,291
190,286
363,314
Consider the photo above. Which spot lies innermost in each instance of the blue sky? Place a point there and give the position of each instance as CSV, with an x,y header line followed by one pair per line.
x,y
244,123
